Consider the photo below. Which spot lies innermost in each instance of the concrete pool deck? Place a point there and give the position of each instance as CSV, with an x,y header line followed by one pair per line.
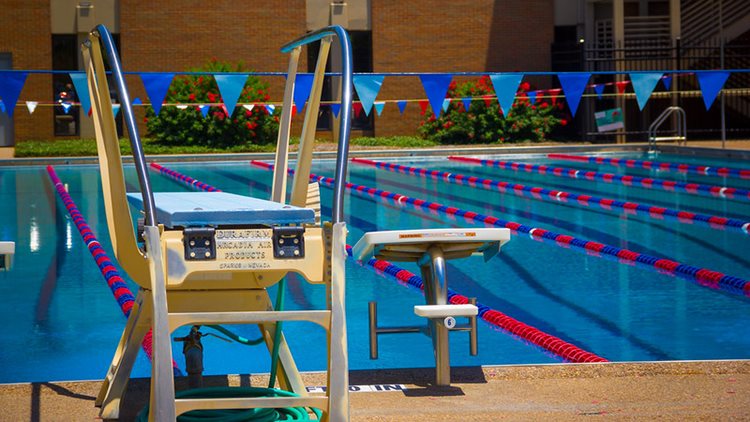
x,y
705,390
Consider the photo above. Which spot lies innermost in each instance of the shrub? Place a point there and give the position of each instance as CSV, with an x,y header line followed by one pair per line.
x,y
484,122
174,126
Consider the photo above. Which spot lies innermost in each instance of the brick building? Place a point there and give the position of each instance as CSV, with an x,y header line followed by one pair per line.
x,y
171,35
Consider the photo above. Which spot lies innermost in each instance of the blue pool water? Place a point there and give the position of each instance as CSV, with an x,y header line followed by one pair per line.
x,y
62,323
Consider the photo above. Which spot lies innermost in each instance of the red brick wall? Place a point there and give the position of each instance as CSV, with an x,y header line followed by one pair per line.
x,y
453,36
27,35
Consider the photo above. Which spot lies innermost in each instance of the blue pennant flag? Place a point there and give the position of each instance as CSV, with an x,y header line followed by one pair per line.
x,y
710,84
401,106
643,85
230,87
136,100
11,84
2,106
467,103
157,85
302,86
82,90
532,96
506,85
335,108
436,86
573,85
66,107
270,108
367,87
446,104
115,109
667,81
379,105
599,89
204,110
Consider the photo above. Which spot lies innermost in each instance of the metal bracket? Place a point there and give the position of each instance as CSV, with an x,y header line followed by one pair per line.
x,y
289,242
199,243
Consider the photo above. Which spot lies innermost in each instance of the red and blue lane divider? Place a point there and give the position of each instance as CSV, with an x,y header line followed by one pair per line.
x,y
593,176
116,284
735,173
531,334
703,276
184,179
539,193
557,346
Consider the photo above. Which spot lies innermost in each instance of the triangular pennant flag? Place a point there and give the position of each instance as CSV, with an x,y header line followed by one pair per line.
x,y
248,107
466,102
157,85
506,85
643,85
401,106
335,108
230,87
446,104
573,85
11,84
621,85
182,106
423,105
379,105
115,109
82,90
31,105
302,86
204,110
487,101
532,96
357,108
667,81
367,87
599,89
270,108
223,108
137,100
66,107
553,93
436,86
2,106
711,84
294,109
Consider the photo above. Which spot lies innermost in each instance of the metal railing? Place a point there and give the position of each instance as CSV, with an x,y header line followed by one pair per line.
x,y
680,127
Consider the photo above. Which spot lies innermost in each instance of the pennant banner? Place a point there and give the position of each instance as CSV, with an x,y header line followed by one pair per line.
x,y
710,84
182,106
335,108
506,85
467,103
435,86
157,85
446,104
270,108
401,106
532,96
667,81
423,105
115,109
573,85
379,105
643,85
599,89
204,110
367,87
2,106
137,100
302,86
66,107
230,87
82,90
249,107
31,105
11,84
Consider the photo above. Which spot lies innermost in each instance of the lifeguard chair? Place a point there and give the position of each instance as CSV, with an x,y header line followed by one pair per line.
x,y
208,258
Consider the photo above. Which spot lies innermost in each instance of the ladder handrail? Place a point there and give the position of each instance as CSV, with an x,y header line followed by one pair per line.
x,y
345,122
681,125
127,109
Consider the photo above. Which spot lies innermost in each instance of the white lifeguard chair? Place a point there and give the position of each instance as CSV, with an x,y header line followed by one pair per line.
x,y
430,249
208,258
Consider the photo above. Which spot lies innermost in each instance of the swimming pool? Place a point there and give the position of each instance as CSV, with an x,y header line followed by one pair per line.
x,y
62,323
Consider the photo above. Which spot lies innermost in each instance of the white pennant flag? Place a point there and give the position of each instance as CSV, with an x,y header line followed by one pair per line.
x,y
31,105
249,107
182,107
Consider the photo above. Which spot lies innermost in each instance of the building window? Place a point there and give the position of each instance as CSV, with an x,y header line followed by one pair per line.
x,y
362,58
65,57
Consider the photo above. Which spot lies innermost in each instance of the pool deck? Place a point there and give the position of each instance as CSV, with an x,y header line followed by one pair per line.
x,y
708,390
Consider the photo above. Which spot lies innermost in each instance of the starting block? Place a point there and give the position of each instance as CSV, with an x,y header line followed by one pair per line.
x,y
429,249
7,250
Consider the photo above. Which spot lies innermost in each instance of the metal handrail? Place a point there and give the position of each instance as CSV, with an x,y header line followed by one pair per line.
x,y
345,122
127,109
681,125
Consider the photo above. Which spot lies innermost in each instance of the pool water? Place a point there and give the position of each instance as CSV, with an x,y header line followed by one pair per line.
x,y
62,323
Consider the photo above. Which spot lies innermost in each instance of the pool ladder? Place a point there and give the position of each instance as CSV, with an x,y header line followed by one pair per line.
x,y
681,128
